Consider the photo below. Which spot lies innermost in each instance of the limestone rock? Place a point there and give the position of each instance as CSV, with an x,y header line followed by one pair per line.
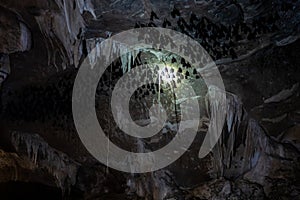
x,y
15,35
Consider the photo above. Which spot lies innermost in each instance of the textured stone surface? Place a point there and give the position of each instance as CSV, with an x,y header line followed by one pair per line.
x,y
14,34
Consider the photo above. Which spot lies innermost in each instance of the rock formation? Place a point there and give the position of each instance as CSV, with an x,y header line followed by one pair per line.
x,y
42,45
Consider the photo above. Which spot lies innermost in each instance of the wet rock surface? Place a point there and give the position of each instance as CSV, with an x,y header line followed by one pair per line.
x,y
43,42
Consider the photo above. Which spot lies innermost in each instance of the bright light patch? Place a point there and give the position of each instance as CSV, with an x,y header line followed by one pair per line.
x,y
168,74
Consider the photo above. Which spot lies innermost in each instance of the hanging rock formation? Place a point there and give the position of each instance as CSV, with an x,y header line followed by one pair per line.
x,y
43,42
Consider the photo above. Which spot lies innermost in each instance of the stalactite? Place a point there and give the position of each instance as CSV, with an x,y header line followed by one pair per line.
x,y
124,58
41,154
60,31
86,5
25,37
243,143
